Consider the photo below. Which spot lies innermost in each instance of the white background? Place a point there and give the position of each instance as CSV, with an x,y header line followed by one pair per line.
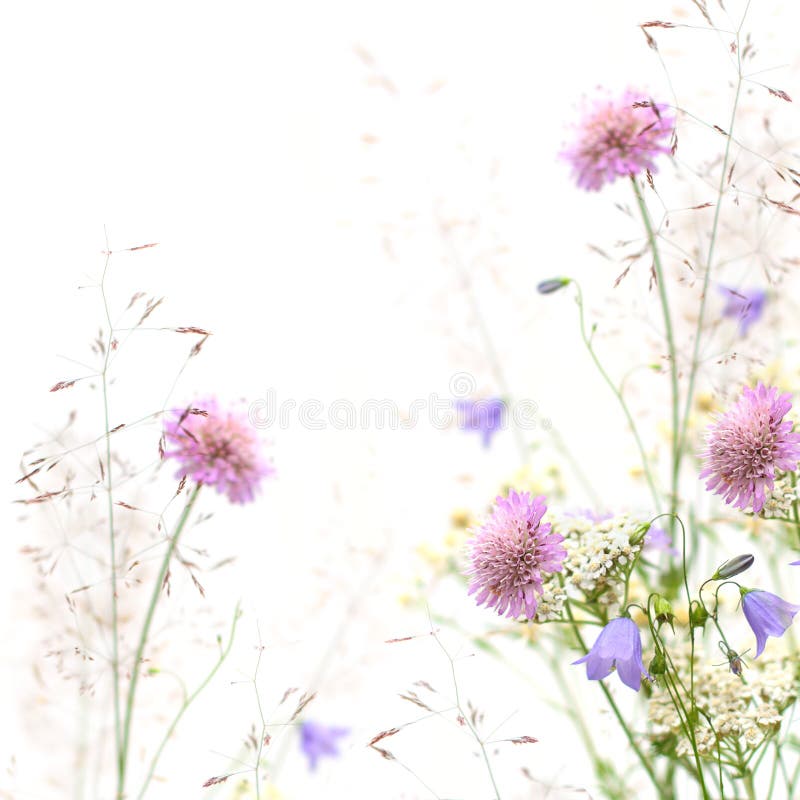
x,y
295,163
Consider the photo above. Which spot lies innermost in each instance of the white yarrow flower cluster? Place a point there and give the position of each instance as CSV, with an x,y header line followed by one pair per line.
x,y
599,554
743,714
779,501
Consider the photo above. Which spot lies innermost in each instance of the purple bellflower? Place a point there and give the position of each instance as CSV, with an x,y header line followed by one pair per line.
x,y
767,614
618,645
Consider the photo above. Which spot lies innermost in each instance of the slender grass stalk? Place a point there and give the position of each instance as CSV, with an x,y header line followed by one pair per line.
x,y
108,467
671,349
587,340
262,717
187,701
466,717
148,620
695,362
488,342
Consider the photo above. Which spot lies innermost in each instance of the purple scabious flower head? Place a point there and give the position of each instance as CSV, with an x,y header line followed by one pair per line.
x,y
744,305
746,444
618,645
317,740
618,138
767,614
218,448
486,415
510,553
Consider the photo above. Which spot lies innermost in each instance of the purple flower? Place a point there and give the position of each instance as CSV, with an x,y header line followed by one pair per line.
x,y
746,444
620,646
745,305
318,740
618,138
767,614
217,448
658,539
590,514
794,563
509,554
486,415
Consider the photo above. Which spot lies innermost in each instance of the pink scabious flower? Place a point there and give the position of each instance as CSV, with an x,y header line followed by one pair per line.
x,y
618,138
746,444
218,448
509,554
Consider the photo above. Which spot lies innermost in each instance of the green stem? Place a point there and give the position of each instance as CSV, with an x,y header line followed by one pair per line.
x,y
795,512
615,709
747,777
662,293
188,701
148,620
618,394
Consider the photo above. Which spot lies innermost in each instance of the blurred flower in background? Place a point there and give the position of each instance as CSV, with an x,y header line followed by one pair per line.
x,y
317,740
618,138
744,305
218,448
658,539
486,415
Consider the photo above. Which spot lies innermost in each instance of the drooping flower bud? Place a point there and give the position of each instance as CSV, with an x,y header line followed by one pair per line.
x,y
552,285
663,609
735,566
658,666
698,616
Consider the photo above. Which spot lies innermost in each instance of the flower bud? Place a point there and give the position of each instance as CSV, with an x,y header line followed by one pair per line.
x,y
734,566
697,615
663,609
552,285
638,535
658,666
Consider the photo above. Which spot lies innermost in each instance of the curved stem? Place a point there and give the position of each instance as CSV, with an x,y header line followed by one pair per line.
x,y
148,620
618,394
188,701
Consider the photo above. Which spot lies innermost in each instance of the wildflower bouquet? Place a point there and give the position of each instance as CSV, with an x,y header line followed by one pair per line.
x,y
654,596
